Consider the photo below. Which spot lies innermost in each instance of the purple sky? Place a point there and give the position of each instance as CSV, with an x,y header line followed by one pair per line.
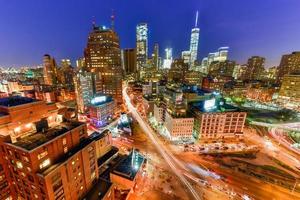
x,y
31,28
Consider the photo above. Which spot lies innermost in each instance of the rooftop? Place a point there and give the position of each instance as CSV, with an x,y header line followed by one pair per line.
x,y
217,107
101,100
37,139
107,156
98,191
15,101
129,166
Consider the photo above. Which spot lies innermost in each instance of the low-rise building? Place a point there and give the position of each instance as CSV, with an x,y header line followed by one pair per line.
x,y
179,127
101,110
217,122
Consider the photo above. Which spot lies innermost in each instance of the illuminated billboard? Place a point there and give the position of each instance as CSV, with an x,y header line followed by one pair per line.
x,y
210,104
98,99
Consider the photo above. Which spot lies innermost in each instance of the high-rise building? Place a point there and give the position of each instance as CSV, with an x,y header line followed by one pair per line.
x,y
194,42
255,67
141,45
80,62
155,56
224,68
168,59
289,93
103,57
83,89
52,158
66,74
129,61
290,63
220,56
50,70
186,56
177,71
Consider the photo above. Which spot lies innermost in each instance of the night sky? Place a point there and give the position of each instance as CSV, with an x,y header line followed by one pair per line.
x,y
31,28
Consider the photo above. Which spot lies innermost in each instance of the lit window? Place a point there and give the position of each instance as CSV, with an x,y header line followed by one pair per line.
x,y
42,155
64,141
45,163
19,165
65,149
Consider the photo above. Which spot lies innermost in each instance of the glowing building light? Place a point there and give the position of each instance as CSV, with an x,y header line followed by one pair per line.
x,y
17,129
98,99
209,104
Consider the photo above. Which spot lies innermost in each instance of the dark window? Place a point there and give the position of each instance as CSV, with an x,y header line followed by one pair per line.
x,y
30,178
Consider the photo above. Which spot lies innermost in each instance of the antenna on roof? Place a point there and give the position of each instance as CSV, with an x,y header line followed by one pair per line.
x,y
112,17
93,22
196,22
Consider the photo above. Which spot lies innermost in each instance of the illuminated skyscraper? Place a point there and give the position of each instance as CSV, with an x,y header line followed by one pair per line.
x,y
83,89
156,56
50,70
66,74
186,56
255,68
290,63
220,56
194,42
168,59
141,45
103,57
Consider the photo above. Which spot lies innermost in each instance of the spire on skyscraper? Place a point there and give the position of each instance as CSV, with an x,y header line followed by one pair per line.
x,y
112,17
196,22
93,22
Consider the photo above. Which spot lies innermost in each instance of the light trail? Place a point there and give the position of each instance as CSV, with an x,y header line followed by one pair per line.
x,y
159,147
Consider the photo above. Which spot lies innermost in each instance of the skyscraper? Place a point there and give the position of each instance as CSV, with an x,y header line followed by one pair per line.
x,y
289,63
141,44
194,42
103,57
255,67
186,56
156,56
129,61
66,74
83,89
50,70
220,56
168,59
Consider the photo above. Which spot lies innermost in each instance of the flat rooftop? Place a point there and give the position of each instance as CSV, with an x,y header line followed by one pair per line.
x,y
99,190
129,166
15,101
200,106
37,139
101,100
107,156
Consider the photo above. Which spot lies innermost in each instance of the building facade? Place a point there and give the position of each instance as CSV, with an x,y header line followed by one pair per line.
x,y
141,45
289,93
50,70
255,68
83,89
103,57
129,61
101,110
289,64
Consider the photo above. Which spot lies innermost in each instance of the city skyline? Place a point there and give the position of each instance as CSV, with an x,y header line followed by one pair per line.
x,y
246,29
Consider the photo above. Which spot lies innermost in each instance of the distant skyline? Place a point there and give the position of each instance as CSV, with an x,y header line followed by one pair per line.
x,y
30,29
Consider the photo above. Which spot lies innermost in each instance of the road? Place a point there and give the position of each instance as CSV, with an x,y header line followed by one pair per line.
x,y
161,149
274,149
241,183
